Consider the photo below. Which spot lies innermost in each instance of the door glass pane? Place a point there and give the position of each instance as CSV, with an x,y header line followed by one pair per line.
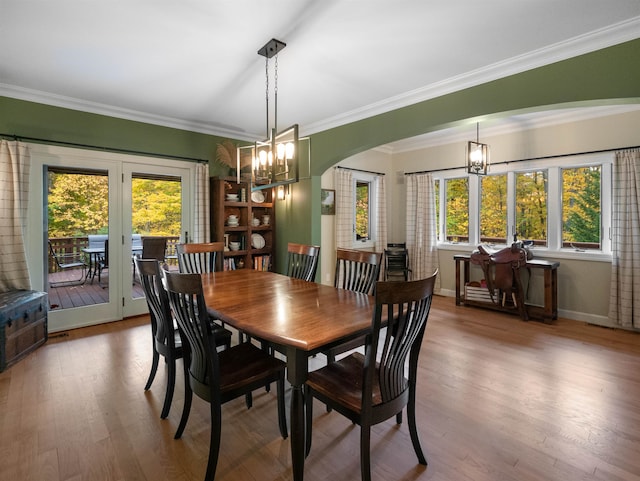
x,y
581,207
156,211
77,207
457,214
493,209
531,206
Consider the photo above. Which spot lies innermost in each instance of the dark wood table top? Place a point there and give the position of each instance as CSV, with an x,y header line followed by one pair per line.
x,y
290,312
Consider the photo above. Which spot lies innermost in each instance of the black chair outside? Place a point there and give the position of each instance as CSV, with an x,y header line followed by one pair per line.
x,y
302,261
103,261
69,262
166,339
396,263
355,271
152,248
217,377
369,392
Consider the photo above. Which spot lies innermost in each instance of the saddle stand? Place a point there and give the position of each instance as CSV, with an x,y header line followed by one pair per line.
x,y
501,270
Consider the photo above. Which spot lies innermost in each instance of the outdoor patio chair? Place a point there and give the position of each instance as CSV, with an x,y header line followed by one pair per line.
x,y
68,262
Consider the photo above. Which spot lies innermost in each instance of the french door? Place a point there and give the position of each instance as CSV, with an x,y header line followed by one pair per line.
x,y
111,292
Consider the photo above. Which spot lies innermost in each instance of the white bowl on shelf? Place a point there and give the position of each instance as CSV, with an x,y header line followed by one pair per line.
x,y
232,197
234,246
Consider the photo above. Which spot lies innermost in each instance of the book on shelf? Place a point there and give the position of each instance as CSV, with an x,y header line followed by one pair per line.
x,y
262,263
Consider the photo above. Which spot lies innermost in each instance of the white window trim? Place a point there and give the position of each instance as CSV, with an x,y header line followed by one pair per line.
x,y
554,191
372,179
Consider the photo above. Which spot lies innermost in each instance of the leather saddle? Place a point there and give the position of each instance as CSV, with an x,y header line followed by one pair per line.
x,y
501,270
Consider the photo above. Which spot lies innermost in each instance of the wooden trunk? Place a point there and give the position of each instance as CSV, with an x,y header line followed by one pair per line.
x,y
23,324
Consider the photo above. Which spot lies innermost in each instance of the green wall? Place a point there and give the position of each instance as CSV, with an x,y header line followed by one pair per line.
x,y
610,75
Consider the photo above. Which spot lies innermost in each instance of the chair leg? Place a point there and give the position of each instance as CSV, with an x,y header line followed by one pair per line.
x,y
282,416
214,443
248,400
308,400
154,369
171,382
399,418
186,409
365,452
413,430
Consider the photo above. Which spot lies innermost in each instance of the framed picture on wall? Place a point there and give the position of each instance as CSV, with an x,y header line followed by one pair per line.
x,y
328,202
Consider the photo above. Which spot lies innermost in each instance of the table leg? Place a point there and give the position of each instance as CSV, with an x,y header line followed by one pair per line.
x,y
297,370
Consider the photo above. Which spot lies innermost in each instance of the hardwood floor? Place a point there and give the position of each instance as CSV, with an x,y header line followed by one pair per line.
x,y
498,399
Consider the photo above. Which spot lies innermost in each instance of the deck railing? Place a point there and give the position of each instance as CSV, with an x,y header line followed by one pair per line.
x,y
74,245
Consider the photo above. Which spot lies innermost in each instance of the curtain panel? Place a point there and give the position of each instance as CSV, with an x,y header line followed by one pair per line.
x,y
624,301
202,231
343,180
15,163
421,226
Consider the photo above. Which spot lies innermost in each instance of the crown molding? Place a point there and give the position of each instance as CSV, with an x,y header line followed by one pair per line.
x,y
596,40
590,42
505,126
71,103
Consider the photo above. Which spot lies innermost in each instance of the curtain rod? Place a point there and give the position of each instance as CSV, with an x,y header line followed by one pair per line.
x,y
529,159
106,149
359,170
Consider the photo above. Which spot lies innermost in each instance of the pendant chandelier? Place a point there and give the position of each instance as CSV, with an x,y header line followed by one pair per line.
x,y
477,155
274,161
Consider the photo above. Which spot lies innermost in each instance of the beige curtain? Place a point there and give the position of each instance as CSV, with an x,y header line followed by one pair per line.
x,y
624,302
14,192
381,221
343,180
202,232
421,226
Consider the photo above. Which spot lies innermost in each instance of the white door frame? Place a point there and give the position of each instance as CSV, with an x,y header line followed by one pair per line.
x,y
35,235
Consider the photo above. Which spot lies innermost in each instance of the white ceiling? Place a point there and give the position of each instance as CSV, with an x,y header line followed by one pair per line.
x,y
194,65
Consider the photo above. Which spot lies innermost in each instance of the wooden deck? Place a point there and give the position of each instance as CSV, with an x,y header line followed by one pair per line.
x,y
85,294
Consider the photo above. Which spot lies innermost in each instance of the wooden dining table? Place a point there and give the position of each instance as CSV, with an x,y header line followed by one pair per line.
x,y
300,318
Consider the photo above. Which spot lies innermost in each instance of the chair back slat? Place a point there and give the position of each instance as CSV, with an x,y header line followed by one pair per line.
x,y
302,262
357,270
198,258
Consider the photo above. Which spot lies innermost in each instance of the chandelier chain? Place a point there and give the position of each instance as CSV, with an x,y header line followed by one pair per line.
x,y
266,94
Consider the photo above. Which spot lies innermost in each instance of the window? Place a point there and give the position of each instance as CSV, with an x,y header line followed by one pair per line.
x,y
581,207
561,204
493,209
364,209
531,206
363,202
457,214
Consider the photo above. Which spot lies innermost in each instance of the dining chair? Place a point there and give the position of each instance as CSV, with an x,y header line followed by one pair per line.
x,y
371,388
199,257
357,271
166,339
396,262
217,377
69,262
302,261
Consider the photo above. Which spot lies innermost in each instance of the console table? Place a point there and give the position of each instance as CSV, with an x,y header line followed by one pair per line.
x,y
546,313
